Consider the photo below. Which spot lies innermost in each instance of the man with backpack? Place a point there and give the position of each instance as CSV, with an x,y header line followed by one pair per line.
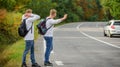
x,y
48,36
29,18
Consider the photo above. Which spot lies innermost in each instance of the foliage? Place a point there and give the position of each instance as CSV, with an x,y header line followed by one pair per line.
x,y
13,5
83,10
91,8
8,4
111,8
75,13
10,57
41,7
8,28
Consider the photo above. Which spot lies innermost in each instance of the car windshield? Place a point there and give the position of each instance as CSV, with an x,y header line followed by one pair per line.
x,y
117,23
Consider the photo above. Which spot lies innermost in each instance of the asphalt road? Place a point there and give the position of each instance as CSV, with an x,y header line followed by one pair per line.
x,y
82,45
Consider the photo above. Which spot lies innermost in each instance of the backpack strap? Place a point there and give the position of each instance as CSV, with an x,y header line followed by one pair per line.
x,y
46,21
30,27
49,27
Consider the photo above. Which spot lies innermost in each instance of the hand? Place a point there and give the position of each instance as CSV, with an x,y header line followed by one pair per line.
x,y
27,15
65,16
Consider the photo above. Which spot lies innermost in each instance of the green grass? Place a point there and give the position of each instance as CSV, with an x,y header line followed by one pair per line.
x,y
12,55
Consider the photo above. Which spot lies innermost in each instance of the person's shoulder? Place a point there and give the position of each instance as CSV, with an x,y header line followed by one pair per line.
x,y
50,20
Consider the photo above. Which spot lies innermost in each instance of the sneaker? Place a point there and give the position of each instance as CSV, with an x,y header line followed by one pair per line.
x,y
36,65
24,65
48,64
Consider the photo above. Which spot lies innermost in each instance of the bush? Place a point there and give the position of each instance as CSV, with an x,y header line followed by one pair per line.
x,y
8,28
41,7
11,55
93,18
73,17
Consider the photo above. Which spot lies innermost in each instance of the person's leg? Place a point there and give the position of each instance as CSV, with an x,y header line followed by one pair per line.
x,y
32,56
27,48
49,47
32,52
51,43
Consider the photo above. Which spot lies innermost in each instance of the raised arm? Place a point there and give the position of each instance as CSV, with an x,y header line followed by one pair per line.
x,y
58,20
52,21
34,17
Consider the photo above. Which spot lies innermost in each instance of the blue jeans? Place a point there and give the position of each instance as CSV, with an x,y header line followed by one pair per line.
x,y
49,47
29,46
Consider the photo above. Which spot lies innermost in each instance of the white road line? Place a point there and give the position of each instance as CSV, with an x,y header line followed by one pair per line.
x,y
52,51
78,27
45,46
59,63
44,43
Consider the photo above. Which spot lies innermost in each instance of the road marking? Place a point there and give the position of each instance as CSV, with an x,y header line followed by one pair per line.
x,y
59,63
44,43
78,27
45,46
52,51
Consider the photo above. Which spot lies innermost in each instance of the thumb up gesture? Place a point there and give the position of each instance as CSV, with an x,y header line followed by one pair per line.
x,y
64,17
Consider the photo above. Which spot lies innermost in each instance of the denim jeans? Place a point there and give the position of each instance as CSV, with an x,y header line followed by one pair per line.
x,y
49,47
29,46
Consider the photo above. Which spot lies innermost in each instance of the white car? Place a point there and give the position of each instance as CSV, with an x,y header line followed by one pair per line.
x,y
112,28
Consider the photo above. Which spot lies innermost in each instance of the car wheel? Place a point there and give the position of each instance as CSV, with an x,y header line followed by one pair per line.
x,y
105,34
109,34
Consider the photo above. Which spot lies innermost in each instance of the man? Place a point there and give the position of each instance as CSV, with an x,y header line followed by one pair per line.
x,y
29,38
49,34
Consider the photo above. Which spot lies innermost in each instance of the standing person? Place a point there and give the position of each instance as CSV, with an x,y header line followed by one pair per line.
x,y
29,38
49,34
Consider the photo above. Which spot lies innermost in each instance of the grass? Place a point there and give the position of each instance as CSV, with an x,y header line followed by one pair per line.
x,y
12,54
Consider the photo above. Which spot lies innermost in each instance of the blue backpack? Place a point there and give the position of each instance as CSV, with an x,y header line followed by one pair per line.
x,y
42,29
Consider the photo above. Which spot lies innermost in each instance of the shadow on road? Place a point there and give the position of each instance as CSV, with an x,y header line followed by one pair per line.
x,y
116,36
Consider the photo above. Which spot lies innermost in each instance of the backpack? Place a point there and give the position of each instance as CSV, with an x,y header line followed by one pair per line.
x,y
22,29
42,29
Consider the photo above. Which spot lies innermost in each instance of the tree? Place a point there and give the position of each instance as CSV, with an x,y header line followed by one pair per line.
x,y
41,7
7,4
112,8
92,9
75,13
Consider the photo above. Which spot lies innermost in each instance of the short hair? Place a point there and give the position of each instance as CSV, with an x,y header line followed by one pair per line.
x,y
52,11
29,11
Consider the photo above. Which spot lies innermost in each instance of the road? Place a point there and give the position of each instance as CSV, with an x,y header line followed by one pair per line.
x,y
82,45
